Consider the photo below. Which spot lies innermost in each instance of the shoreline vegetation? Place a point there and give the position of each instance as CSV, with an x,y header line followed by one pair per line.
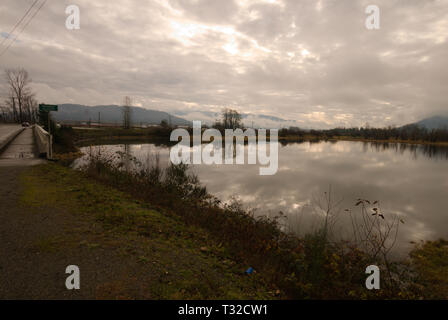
x,y
308,138
288,267
161,135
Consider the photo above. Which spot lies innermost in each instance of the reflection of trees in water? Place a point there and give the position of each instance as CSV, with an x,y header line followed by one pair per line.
x,y
416,150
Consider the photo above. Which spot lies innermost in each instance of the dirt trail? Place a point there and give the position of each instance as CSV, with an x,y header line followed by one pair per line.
x,y
22,273
36,245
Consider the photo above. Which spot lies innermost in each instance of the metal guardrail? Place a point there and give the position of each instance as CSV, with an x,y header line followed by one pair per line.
x,y
44,142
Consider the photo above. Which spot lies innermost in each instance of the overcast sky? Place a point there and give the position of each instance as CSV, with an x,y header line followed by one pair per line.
x,y
308,60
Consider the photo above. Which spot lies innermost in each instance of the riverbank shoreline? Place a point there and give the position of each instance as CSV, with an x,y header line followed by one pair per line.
x,y
85,137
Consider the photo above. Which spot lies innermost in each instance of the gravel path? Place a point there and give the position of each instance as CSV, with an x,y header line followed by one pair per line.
x,y
23,272
36,246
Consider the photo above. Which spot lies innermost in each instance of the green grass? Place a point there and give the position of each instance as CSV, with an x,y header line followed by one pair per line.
x,y
430,260
184,261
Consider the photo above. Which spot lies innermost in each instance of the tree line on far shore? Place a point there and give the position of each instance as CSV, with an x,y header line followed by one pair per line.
x,y
232,119
412,132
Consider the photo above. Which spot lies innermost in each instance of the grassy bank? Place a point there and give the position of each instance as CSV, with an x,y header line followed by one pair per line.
x,y
142,252
300,268
430,262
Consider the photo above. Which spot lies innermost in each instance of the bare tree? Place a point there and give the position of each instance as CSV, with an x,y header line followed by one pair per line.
x,y
11,106
18,81
31,106
127,103
231,119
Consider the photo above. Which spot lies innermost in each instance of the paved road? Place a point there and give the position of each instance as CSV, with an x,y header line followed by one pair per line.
x,y
21,151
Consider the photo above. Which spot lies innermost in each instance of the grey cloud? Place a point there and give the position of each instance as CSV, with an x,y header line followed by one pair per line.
x,y
327,70
213,11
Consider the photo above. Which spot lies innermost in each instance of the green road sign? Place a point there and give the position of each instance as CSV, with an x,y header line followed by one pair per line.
x,y
48,107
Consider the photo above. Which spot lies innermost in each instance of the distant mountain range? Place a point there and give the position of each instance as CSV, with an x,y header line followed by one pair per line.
x,y
436,122
113,114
